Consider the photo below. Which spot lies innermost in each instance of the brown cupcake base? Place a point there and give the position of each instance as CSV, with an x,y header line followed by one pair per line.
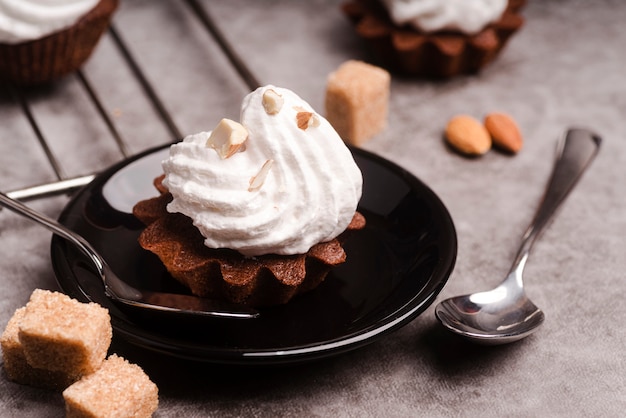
x,y
405,50
56,55
226,274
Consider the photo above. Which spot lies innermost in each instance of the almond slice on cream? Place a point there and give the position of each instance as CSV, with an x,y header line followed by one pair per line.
x,y
257,181
272,102
306,120
227,138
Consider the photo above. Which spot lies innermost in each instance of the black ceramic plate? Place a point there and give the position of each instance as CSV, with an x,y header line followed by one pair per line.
x,y
395,268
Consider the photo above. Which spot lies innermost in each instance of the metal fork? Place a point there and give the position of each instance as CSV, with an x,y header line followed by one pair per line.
x,y
120,291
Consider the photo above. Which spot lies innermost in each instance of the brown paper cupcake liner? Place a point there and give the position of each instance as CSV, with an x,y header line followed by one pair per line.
x,y
58,54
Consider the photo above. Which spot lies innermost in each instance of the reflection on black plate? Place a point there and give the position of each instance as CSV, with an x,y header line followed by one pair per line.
x,y
395,268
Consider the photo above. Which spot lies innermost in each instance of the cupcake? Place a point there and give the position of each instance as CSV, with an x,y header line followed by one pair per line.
x,y
435,38
43,40
255,212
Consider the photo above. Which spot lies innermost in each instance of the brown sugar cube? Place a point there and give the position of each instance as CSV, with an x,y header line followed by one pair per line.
x,y
357,97
58,333
117,389
17,368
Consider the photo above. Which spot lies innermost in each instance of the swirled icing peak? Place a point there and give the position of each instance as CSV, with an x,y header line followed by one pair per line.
x,y
25,20
467,16
290,184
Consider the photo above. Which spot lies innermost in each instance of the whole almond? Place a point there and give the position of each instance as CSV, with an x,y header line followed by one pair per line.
x,y
467,135
504,132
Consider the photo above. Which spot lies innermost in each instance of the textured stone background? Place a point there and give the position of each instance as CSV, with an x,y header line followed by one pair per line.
x,y
565,68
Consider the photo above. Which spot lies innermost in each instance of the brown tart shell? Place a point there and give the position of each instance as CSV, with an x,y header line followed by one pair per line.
x,y
226,274
443,54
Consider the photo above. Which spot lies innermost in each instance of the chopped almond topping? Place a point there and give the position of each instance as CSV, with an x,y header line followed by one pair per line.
x,y
227,138
306,120
257,181
272,102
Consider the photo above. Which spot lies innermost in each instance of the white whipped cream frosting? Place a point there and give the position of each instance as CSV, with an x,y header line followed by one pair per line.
x,y
25,20
309,196
467,16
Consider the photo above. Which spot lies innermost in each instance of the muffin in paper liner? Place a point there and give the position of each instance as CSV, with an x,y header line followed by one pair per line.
x,y
226,274
58,54
442,54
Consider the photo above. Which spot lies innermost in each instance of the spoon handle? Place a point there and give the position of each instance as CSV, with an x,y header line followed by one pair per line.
x,y
575,152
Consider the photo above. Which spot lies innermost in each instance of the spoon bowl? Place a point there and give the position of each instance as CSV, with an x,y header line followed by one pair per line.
x,y
505,314
493,317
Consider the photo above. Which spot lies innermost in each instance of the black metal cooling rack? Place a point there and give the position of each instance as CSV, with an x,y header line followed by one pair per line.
x,y
66,184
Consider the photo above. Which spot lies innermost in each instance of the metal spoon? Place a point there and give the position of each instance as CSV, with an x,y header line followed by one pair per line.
x,y
505,314
122,292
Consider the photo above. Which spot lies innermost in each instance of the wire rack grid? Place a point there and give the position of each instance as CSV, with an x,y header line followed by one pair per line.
x,y
22,98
